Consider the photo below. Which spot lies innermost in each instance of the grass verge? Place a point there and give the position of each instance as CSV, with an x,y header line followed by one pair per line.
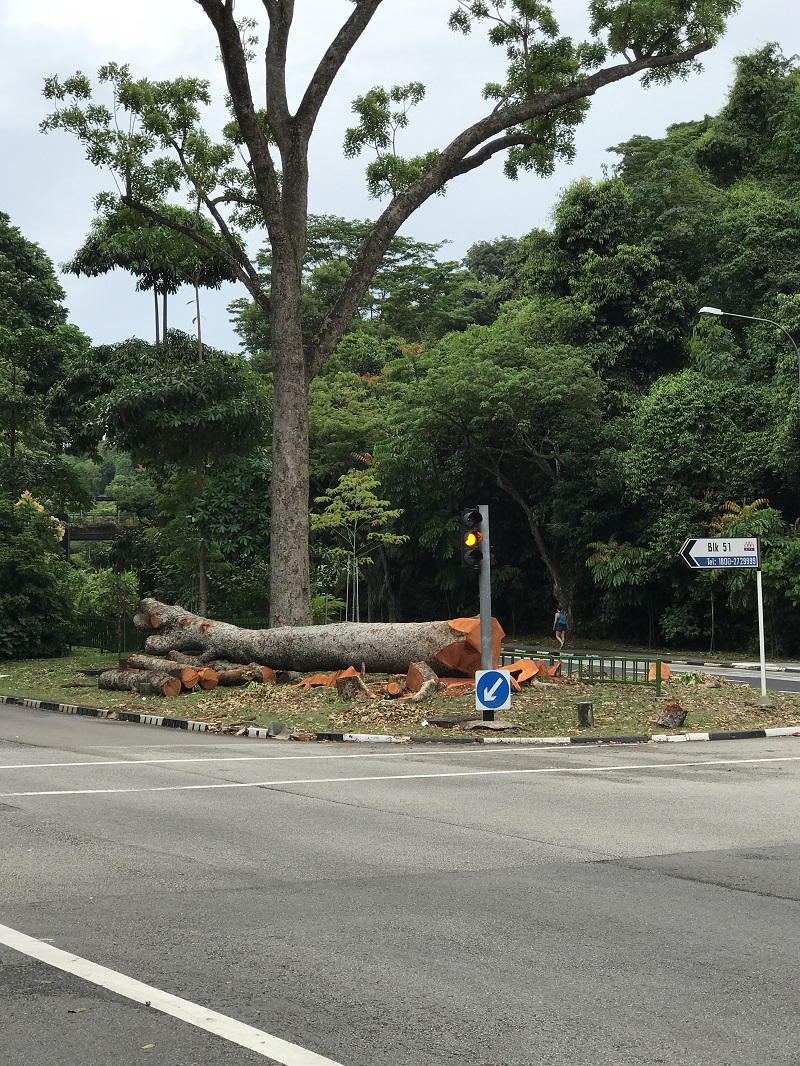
x,y
541,709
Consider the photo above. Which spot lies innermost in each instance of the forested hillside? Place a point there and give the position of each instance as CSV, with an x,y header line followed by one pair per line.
x,y
564,378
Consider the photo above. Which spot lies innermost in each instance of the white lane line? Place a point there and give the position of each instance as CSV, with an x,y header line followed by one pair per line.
x,y
399,777
512,749
272,1047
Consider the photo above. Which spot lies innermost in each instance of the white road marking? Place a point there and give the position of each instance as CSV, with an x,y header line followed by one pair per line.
x,y
399,777
538,750
272,1047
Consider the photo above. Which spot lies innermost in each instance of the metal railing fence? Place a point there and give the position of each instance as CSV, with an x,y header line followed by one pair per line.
x,y
618,669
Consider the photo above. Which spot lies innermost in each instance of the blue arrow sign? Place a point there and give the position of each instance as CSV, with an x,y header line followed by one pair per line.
x,y
492,690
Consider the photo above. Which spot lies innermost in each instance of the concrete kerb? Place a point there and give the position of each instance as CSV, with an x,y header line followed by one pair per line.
x,y
261,732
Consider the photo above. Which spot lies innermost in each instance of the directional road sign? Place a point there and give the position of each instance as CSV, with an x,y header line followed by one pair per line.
x,y
713,552
492,690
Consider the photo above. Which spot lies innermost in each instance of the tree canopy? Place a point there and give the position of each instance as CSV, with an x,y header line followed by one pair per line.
x,y
256,174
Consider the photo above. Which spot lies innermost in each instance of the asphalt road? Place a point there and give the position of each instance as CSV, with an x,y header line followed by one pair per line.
x,y
778,679
391,905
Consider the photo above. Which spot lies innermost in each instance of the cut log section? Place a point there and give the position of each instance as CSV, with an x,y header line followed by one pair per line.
x,y
421,681
448,647
186,674
207,678
139,680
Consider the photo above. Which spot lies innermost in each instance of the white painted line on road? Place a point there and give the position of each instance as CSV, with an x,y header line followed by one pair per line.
x,y
276,758
400,777
272,1047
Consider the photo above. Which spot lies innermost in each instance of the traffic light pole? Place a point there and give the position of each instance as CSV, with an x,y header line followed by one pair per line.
x,y
485,593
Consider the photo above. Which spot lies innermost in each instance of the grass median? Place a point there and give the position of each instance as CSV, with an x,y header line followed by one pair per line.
x,y
540,709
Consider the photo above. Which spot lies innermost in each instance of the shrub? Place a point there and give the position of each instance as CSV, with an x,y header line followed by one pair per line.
x,y
35,588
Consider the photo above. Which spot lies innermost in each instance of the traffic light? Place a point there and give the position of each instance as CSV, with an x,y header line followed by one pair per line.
x,y
471,538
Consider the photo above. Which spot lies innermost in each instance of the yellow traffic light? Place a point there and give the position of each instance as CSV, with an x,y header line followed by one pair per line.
x,y
471,537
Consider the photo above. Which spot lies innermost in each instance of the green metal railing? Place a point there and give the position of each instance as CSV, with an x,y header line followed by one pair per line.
x,y
609,668
92,631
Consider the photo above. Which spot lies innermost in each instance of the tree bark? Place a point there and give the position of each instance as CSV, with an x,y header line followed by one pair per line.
x,y
185,673
451,648
290,580
139,680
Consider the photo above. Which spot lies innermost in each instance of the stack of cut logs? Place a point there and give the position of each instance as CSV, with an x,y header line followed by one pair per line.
x,y
152,675
185,652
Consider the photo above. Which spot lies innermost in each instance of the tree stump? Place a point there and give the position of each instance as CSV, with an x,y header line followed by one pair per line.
x,y
585,715
351,687
672,715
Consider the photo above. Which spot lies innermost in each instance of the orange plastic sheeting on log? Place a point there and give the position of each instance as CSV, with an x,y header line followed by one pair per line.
x,y
522,670
326,680
464,625
314,681
665,672
464,656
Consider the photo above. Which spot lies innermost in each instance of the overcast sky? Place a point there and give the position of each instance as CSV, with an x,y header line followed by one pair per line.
x,y
47,186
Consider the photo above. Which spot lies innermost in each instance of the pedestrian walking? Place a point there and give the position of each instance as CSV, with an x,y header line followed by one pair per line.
x,y
560,626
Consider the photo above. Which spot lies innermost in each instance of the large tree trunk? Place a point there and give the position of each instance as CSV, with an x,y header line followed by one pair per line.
x,y
289,579
451,648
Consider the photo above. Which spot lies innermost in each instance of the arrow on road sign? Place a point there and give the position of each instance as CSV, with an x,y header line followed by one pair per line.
x,y
490,694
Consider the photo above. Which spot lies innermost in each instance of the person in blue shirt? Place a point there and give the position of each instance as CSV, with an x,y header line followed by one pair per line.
x,y
560,626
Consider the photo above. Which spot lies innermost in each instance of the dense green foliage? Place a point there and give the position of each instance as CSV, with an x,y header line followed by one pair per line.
x,y
35,587
563,378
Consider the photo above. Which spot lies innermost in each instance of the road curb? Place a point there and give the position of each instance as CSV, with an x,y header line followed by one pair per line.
x,y
262,733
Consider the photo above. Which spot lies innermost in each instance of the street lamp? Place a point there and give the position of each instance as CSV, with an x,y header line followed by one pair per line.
x,y
716,312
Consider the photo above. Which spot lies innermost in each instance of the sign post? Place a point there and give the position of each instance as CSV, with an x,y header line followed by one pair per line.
x,y
741,553
485,593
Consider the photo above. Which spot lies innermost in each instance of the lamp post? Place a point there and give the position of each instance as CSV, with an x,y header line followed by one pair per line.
x,y
716,312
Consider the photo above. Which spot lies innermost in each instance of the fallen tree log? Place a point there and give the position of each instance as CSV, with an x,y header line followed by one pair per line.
x,y
148,681
450,648
240,673
187,675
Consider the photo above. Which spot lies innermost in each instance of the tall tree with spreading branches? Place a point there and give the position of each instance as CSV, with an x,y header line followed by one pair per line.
x,y
257,174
